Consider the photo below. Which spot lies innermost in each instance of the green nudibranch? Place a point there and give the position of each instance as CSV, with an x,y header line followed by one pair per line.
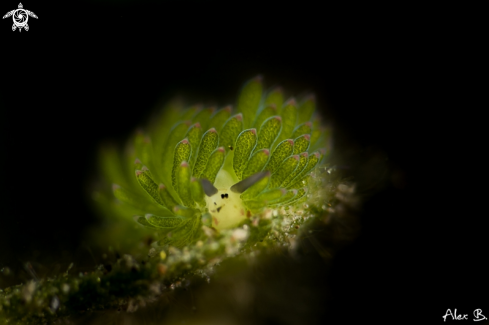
x,y
203,185
197,166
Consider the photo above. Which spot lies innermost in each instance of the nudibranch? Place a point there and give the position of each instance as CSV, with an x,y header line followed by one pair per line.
x,y
197,166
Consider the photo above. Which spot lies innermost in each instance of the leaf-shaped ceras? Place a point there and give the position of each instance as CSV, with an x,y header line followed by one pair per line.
x,y
209,142
244,146
268,132
182,153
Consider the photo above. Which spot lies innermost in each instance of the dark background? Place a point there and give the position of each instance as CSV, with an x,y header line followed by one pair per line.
x,y
86,73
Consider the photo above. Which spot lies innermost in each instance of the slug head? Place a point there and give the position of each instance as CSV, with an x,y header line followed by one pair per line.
x,y
224,203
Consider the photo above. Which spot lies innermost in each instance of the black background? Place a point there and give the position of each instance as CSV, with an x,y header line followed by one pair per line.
x,y
86,73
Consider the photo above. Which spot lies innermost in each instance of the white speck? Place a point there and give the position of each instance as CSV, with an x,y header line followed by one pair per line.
x,y
28,290
54,303
65,288
240,234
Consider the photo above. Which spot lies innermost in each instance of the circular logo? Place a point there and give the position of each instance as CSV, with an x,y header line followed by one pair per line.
x,y
20,17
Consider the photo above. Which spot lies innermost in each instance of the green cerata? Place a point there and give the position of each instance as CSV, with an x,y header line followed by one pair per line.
x,y
198,170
